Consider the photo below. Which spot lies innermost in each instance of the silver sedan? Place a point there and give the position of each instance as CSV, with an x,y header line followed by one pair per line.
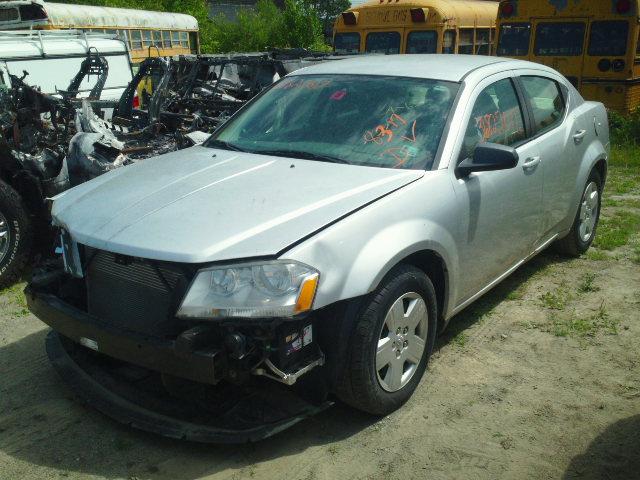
x,y
350,212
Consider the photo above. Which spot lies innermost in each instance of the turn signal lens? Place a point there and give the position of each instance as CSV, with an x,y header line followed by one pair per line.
x,y
307,294
350,18
623,6
418,15
507,9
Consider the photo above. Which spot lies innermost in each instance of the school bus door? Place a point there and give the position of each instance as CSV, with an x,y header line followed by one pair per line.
x,y
561,44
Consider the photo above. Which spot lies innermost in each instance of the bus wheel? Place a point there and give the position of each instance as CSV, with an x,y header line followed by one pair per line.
x,y
15,235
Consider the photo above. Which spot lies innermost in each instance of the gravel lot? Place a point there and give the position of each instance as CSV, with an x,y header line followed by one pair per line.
x,y
539,379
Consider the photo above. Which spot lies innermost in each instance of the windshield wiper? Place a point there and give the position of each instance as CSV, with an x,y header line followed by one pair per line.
x,y
224,145
301,154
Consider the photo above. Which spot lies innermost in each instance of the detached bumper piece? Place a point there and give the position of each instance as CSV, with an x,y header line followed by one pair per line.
x,y
169,387
150,401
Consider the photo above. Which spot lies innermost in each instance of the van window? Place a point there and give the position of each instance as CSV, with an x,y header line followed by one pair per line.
x,y
514,39
184,39
546,101
559,39
383,42
465,44
449,42
166,39
483,44
608,38
136,39
175,39
422,42
496,117
348,42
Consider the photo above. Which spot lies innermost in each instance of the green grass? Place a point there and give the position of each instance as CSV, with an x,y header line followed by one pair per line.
x,y
616,230
556,299
460,340
589,326
586,285
624,170
596,255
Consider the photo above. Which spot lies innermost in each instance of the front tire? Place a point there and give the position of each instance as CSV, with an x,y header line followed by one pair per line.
x,y
15,235
583,230
392,340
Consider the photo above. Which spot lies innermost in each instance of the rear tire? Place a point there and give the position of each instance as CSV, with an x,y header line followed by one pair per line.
x,y
392,340
583,230
15,236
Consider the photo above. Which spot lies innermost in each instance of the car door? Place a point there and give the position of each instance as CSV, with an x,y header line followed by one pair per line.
x,y
562,139
501,211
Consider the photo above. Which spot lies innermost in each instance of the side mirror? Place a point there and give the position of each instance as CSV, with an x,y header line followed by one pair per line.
x,y
487,157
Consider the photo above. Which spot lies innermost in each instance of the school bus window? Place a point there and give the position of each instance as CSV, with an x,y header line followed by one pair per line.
x,y
425,41
110,31
175,39
166,39
383,42
136,39
123,35
449,42
514,39
146,38
638,46
483,43
347,42
559,39
157,38
184,39
465,43
608,38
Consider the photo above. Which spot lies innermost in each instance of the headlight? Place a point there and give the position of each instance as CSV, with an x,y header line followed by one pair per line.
x,y
265,289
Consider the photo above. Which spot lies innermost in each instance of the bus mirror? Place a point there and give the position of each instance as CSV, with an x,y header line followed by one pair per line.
x,y
419,15
350,18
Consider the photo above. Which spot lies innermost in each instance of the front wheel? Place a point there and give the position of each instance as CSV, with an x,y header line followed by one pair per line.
x,y
583,230
392,340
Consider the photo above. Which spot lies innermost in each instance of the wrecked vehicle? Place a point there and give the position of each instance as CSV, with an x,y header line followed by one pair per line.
x,y
316,244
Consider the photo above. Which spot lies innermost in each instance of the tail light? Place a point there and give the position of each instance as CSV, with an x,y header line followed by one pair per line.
x,y
350,18
418,15
618,65
604,65
136,101
507,9
623,6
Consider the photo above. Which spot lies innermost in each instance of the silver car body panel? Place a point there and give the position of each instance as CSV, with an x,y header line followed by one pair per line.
x,y
352,223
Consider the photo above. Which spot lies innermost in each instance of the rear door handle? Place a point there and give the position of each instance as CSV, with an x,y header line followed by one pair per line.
x,y
531,163
579,136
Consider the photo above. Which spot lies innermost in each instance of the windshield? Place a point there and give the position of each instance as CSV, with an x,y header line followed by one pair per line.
x,y
379,121
347,42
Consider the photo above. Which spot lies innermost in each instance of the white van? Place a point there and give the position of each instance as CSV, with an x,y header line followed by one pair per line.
x,y
53,58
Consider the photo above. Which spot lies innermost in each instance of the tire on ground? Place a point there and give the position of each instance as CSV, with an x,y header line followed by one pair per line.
x,y
18,226
572,244
358,383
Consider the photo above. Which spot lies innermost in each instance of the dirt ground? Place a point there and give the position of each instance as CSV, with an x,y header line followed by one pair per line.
x,y
540,379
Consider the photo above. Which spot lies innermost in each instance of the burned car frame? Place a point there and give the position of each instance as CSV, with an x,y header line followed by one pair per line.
x,y
316,244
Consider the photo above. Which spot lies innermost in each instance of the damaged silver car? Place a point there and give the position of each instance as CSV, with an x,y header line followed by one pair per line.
x,y
314,246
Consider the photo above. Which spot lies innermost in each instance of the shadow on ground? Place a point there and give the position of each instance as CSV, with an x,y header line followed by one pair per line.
x,y
43,424
612,455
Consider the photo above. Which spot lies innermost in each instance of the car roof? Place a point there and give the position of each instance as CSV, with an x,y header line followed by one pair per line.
x,y
446,67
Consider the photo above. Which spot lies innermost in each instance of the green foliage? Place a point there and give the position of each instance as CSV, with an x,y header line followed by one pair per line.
x,y
295,26
328,10
625,129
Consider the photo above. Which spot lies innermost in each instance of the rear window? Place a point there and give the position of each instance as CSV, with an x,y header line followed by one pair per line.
x,y
514,39
422,42
559,39
383,42
608,38
347,42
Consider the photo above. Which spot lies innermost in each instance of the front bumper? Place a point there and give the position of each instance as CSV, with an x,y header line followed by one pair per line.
x,y
181,357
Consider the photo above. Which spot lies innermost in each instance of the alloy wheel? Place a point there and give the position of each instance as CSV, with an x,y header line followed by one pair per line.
x,y
5,237
589,211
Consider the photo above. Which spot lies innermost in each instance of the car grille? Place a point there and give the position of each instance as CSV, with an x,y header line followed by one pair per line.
x,y
135,294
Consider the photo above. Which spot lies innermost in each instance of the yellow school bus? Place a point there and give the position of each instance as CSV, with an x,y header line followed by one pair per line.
x,y
417,26
594,43
146,33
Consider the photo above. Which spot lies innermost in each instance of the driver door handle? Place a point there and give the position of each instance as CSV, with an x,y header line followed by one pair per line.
x,y
579,136
531,163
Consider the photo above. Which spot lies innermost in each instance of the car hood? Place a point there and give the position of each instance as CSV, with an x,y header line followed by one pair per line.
x,y
202,205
